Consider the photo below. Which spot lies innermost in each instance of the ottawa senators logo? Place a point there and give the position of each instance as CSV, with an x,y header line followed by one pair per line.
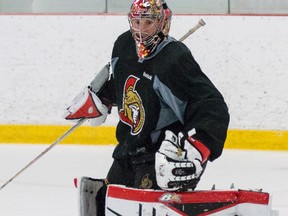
x,y
146,182
132,112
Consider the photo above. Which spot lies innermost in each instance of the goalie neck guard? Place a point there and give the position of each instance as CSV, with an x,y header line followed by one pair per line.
x,y
149,22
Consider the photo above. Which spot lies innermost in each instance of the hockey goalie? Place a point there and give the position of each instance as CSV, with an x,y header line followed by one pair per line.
x,y
173,120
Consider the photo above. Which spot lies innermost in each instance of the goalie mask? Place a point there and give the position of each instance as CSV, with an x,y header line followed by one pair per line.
x,y
149,24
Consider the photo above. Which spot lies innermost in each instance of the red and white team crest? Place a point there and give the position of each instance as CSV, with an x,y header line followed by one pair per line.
x,y
132,112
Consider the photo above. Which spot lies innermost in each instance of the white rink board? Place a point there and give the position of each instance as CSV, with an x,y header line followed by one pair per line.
x,y
46,60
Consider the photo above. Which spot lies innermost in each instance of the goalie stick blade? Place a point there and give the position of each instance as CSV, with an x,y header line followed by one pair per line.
x,y
121,200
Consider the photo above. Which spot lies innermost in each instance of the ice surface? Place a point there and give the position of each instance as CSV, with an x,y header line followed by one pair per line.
x,y
46,188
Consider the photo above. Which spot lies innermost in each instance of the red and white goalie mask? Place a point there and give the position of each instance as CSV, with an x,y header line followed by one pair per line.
x,y
149,24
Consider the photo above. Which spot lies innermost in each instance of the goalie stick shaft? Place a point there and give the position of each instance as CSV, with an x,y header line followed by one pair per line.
x,y
192,30
80,122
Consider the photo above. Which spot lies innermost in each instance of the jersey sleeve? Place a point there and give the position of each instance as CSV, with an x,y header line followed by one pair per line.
x,y
205,109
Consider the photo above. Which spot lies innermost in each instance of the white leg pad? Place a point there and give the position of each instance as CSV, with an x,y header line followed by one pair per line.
x,y
87,191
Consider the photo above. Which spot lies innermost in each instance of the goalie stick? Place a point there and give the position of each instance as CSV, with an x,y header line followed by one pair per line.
x,y
81,121
192,30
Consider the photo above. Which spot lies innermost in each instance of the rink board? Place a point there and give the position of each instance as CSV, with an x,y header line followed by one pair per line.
x,y
105,135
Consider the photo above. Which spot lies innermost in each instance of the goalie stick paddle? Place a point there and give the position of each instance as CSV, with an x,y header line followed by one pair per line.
x,y
81,121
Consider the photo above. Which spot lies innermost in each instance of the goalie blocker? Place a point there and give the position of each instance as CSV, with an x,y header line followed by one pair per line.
x,y
121,200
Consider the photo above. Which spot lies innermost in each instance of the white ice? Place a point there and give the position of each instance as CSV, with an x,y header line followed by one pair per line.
x,y
46,188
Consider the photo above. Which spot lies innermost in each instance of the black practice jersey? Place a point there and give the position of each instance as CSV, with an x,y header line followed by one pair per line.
x,y
166,91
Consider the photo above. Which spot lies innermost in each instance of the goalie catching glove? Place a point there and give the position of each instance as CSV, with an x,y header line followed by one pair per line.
x,y
87,105
180,162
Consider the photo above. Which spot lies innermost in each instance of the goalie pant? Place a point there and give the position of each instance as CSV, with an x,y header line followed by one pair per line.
x,y
121,200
